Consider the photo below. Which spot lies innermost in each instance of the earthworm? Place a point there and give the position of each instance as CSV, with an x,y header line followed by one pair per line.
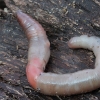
x,y
38,55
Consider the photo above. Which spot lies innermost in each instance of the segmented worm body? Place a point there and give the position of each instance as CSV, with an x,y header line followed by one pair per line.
x,y
38,56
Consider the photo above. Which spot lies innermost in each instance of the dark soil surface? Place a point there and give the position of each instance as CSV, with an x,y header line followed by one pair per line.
x,y
62,19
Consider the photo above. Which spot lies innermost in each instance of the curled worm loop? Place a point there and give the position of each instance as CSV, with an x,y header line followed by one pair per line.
x,y
38,56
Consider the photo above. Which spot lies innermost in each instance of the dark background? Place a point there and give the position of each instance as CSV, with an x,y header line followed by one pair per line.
x,y
62,19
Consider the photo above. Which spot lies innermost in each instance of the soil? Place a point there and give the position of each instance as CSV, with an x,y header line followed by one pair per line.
x,y
62,19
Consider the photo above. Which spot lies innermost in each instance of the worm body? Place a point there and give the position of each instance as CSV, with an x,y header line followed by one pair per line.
x,y
38,56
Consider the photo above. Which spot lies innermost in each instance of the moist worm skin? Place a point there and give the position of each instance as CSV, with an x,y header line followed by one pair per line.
x,y
38,56
39,47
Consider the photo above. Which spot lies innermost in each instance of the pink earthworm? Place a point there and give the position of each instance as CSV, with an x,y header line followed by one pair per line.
x,y
38,55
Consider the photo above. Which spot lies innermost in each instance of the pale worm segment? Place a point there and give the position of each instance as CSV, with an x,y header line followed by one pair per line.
x,y
38,56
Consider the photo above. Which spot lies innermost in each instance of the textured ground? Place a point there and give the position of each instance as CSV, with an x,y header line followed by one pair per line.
x,y
62,19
